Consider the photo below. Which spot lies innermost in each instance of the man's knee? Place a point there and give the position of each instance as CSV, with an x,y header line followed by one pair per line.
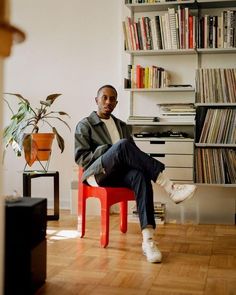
x,y
124,143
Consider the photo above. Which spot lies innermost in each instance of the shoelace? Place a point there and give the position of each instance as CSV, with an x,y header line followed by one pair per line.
x,y
178,187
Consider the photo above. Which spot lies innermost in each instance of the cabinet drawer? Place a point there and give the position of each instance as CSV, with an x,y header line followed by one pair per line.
x,y
165,147
174,160
179,173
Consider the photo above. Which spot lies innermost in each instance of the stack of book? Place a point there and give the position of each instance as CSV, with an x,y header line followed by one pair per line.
x,y
142,120
177,112
159,213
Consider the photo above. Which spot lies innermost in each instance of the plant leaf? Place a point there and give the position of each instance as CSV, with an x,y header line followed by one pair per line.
x,y
19,96
57,118
45,103
52,97
30,150
60,140
63,114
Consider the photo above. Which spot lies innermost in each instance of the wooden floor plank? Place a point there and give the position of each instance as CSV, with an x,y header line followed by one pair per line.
x,y
197,259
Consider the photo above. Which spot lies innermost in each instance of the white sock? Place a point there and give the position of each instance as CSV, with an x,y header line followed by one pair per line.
x,y
148,233
165,182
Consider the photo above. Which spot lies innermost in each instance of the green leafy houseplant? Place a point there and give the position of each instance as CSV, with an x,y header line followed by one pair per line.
x,y
27,121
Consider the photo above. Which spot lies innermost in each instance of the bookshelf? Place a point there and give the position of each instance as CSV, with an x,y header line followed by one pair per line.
x,y
209,53
174,149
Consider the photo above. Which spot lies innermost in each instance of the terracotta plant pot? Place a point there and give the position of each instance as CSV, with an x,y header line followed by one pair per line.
x,y
38,147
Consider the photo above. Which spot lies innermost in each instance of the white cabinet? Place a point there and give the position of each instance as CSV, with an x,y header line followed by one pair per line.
x,y
176,154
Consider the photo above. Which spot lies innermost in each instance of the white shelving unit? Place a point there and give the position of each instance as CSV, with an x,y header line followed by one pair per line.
x,y
182,64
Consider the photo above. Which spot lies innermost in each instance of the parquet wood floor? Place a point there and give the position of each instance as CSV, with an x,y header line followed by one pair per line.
x,y
197,259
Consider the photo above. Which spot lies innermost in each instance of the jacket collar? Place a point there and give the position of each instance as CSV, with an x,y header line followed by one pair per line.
x,y
95,120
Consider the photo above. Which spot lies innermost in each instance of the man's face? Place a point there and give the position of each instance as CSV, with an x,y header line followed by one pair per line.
x,y
106,101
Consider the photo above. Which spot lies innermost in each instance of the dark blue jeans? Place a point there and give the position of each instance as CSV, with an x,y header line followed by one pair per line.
x,y
126,165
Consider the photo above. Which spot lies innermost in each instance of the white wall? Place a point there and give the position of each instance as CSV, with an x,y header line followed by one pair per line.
x,y
72,47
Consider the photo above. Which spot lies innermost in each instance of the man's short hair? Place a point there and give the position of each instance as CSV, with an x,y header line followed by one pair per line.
x,y
107,86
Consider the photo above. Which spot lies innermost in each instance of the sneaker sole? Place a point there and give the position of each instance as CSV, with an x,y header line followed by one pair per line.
x,y
189,197
152,260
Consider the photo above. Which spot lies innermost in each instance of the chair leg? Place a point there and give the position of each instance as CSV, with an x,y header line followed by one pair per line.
x,y
123,216
105,215
81,216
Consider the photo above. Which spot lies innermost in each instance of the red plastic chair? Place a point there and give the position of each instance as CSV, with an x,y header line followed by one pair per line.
x,y
108,196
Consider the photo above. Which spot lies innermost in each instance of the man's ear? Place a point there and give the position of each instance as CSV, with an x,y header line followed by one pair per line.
x,y
96,99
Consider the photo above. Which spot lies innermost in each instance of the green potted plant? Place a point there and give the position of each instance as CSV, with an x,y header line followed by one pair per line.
x,y
23,131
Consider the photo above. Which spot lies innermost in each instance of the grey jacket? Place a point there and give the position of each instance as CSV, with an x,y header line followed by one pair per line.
x,y
92,140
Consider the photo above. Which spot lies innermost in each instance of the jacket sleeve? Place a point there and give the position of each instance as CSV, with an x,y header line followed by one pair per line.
x,y
85,150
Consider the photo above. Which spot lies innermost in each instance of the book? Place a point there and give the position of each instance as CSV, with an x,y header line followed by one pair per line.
x,y
172,28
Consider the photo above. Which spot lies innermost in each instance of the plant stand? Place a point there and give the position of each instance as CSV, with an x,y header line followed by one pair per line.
x,y
44,166
28,175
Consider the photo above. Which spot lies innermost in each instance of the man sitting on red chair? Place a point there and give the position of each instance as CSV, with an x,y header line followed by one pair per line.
x,y
105,149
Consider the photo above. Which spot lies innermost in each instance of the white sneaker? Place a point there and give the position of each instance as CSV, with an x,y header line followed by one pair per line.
x,y
151,251
182,192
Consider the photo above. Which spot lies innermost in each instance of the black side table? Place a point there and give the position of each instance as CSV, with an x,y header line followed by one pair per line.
x,y
28,175
25,246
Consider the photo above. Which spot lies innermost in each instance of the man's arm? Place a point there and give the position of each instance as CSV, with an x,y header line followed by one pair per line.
x,y
86,152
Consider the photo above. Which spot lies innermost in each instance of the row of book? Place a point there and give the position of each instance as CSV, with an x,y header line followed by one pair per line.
x,y
219,126
215,85
159,213
172,30
147,77
215,166
217,31
179,29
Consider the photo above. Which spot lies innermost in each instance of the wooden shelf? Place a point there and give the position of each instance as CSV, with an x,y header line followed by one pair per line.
x,y
215,3
167,89
171,139
214,104
216,145
215,50
148,7
161,52
180,51
217,184
161,123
